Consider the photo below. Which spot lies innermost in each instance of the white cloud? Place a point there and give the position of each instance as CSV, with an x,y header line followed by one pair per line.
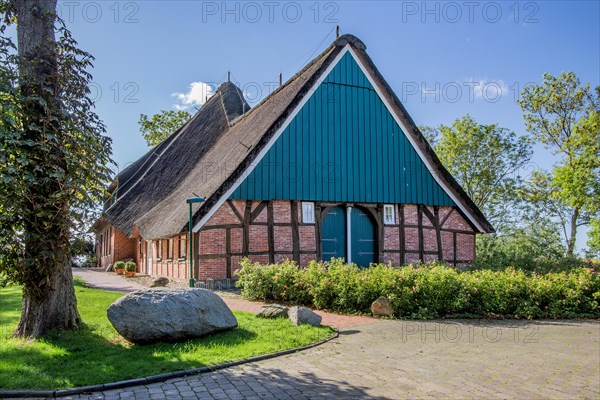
x,y
486,89
195,97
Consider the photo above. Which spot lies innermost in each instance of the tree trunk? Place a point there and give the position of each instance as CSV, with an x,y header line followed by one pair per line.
x,y
573,235
48,295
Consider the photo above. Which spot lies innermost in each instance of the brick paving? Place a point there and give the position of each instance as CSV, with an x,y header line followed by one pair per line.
x,y
407,360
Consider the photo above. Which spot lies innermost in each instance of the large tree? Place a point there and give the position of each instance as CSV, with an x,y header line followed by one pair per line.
x,y
160,125
54,161
487,161
564,116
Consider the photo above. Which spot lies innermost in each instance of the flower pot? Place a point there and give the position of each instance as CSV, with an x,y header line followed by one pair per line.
x,y
120,271
129,274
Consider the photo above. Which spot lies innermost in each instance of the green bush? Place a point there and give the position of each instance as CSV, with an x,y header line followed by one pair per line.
x,y
130,266
427,291
119,265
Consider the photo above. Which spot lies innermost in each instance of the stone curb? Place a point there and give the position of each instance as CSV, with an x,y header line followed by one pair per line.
x,y
154,378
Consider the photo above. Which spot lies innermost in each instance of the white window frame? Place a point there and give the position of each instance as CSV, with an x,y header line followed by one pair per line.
x,y
308,212
392,215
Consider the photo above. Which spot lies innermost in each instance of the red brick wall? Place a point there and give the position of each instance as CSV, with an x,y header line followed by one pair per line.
x,y
455,232
222,239
119,247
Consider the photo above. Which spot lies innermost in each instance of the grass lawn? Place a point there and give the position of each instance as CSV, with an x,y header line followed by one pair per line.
x,y
97,354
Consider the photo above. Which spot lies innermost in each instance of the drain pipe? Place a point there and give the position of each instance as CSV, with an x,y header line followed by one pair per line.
x,y
349,234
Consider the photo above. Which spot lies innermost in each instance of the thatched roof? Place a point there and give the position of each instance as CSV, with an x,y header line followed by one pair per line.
x,y
210,153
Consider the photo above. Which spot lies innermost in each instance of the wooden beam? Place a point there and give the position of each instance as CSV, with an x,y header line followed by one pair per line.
x,y
446,217
438,233
271,232
454,245
259,208
401,234
235,210
228,252
246,227
295,232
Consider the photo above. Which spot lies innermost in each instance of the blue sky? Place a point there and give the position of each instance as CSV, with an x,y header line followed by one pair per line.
x,y
443,59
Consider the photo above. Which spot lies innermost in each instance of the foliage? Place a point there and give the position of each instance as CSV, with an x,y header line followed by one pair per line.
x,y
130,266
564,116
534,246
64,360
432,291
594,239
487,161
119,265
161,125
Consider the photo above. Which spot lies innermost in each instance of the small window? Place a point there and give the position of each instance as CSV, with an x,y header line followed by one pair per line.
x,y
308,213
182,247
159,250
170,249
388,214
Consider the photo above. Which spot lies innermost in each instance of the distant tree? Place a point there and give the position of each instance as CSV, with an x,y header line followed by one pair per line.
x,y
160,125
593,243
54,161
564,116
487,161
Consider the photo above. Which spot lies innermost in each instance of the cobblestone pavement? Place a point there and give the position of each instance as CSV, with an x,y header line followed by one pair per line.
x,y
406,359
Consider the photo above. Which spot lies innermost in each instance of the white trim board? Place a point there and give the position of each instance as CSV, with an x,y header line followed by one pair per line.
x,y
289,119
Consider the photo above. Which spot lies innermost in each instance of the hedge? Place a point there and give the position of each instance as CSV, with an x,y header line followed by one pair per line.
x,y
426,291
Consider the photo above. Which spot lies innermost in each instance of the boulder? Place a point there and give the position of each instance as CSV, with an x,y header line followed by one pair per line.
x,y
159,282
169,315
382,307
272,311
301,315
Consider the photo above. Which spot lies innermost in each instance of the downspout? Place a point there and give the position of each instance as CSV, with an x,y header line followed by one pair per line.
x,y
349,234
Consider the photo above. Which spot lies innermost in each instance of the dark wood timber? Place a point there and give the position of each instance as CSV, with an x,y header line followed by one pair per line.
x,y
235,210
454,245
271,232
259,208
246,226
295,232
320,214
438,233
420,225
228,252
446,217
401,233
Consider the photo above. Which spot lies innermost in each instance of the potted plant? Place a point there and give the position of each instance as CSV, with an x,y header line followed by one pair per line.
x,y
130,269
120,267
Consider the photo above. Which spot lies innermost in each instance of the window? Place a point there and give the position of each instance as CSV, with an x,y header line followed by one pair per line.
x,y
308,213
159,250
388,214
182,247
169,249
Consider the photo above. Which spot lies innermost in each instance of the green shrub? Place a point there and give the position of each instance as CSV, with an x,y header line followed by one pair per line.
x,y
130,266
427,291
119,265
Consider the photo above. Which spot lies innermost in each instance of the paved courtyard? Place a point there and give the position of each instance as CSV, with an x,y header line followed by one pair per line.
x,y
383,359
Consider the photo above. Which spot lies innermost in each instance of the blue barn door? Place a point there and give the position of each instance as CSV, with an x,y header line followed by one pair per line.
x,y
333,234
363,238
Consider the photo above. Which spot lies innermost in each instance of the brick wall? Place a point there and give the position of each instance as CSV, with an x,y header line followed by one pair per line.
x,y
421,243
270,237
113,246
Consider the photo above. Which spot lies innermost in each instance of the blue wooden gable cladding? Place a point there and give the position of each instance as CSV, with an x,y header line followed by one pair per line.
x,y
343,146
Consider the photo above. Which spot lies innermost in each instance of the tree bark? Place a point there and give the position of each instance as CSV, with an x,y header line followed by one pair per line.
x,y
573,235
49,300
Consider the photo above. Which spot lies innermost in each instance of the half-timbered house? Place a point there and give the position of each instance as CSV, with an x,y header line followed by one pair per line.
x,y
328,165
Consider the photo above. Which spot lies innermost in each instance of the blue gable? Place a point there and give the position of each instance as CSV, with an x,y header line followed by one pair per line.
x,y
343,146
